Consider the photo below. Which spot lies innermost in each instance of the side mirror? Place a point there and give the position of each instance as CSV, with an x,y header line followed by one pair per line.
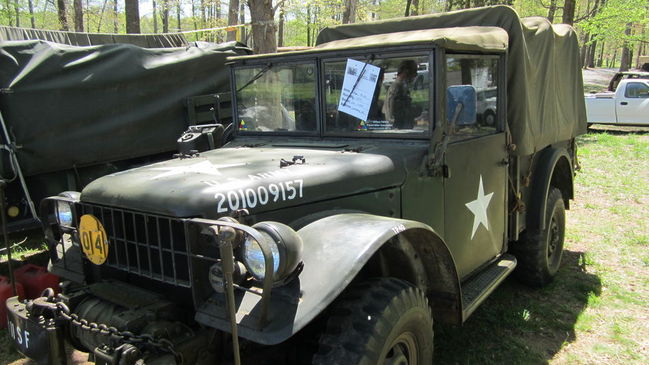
x,y
461,101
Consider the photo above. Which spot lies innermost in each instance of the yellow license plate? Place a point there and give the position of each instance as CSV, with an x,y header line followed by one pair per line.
x,y
94,241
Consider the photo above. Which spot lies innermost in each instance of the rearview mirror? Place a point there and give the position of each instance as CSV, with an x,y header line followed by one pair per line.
x,y
461,101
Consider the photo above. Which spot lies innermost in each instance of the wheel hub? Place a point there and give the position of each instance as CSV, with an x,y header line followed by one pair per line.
x,y
403,351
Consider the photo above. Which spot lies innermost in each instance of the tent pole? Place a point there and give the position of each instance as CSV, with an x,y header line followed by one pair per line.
x,y
16,165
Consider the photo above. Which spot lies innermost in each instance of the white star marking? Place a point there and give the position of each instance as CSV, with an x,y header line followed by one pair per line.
x,y
204,167
479,209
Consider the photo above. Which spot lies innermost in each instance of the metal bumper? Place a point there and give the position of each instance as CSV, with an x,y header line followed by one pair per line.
x,y
38,338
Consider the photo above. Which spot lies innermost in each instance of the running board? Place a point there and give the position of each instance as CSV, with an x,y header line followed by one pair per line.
x,y
478,288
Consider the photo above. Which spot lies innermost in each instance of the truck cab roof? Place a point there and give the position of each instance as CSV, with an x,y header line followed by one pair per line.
x,y
475,39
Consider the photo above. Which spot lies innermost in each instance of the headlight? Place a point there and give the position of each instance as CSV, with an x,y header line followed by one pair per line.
x,y
285,247
63,213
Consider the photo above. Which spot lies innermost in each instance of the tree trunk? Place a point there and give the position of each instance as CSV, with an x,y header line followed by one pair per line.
x,y
165,16
625,60
308,24
568,12
17,8
551,10
203,13
590,56
600,59
407,11
101,16
349,15
414,7
155,16
31,13
63,19
178,13
641,49
78,15
242,20
194,15
280,30
583,52
115,17
9,15
612,61
132,11
374,14
233,18
264,30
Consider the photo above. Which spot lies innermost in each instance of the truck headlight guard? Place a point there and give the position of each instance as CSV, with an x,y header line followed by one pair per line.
x,y
285,246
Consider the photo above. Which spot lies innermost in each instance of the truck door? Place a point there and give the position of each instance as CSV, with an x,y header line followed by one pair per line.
x,y
475,190
633,106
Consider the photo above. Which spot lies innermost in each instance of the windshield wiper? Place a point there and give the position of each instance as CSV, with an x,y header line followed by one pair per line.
x,y
257,76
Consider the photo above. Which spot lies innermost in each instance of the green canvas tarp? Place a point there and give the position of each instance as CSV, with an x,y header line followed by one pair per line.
x,y
92,39
545,86
69,106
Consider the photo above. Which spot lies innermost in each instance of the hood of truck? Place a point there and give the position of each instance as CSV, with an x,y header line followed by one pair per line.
x,y
215,183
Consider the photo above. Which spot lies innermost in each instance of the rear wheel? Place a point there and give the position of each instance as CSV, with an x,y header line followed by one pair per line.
x,y
382,321
539,252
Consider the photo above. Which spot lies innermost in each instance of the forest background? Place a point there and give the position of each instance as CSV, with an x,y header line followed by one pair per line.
x,y
612,33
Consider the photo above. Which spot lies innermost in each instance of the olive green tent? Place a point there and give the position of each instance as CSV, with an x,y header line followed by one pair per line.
x,y
92,39
545,86
68,106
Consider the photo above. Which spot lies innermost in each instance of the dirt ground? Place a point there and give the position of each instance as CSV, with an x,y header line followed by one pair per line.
x,y
598,76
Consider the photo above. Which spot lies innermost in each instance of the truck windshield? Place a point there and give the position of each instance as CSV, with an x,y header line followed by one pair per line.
x,y
276,98
385,95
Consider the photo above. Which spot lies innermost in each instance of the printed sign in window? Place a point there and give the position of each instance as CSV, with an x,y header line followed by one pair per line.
x,y
358,88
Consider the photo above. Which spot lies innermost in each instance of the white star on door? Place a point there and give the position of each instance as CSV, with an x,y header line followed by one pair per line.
x,y
204,167
479,209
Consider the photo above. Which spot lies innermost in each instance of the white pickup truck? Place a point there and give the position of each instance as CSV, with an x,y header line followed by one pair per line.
x,y
628,105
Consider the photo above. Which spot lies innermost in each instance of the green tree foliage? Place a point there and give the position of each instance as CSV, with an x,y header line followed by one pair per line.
x,y
605,26
611,22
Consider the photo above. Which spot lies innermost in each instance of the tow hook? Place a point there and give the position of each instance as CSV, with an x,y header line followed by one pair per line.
x,y
123,354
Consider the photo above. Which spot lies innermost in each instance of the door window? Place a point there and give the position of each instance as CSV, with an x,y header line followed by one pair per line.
x,y
382,96
636,90
481,73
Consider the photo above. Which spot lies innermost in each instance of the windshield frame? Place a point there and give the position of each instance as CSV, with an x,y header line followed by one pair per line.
x,y
320,58
262,63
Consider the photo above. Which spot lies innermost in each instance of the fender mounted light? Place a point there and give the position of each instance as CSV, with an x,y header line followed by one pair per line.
x,y
285,246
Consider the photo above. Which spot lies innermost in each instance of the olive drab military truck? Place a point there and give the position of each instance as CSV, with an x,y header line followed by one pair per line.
x,y
346,211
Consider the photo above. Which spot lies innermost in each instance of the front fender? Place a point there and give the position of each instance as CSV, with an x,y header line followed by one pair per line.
x,y
336,248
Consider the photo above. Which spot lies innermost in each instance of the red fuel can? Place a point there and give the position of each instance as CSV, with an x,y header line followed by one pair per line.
x,y
35,279
6,292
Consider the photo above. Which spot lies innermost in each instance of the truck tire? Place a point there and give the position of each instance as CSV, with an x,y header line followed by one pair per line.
x,y
539,251
381,321
489,118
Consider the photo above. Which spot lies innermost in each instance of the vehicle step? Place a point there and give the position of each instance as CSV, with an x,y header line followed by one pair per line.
x,y
480,286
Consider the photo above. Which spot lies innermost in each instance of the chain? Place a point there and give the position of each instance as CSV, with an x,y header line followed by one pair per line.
x,y
64,312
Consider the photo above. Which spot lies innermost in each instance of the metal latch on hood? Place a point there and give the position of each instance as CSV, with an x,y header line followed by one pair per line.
x,y
297,160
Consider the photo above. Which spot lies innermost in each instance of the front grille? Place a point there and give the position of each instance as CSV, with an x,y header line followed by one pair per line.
x,y
147,245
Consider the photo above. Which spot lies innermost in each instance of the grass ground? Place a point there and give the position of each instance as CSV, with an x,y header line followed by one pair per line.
x,y
595,312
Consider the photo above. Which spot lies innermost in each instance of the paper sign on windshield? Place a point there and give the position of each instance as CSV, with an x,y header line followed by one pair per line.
x,y
358,88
